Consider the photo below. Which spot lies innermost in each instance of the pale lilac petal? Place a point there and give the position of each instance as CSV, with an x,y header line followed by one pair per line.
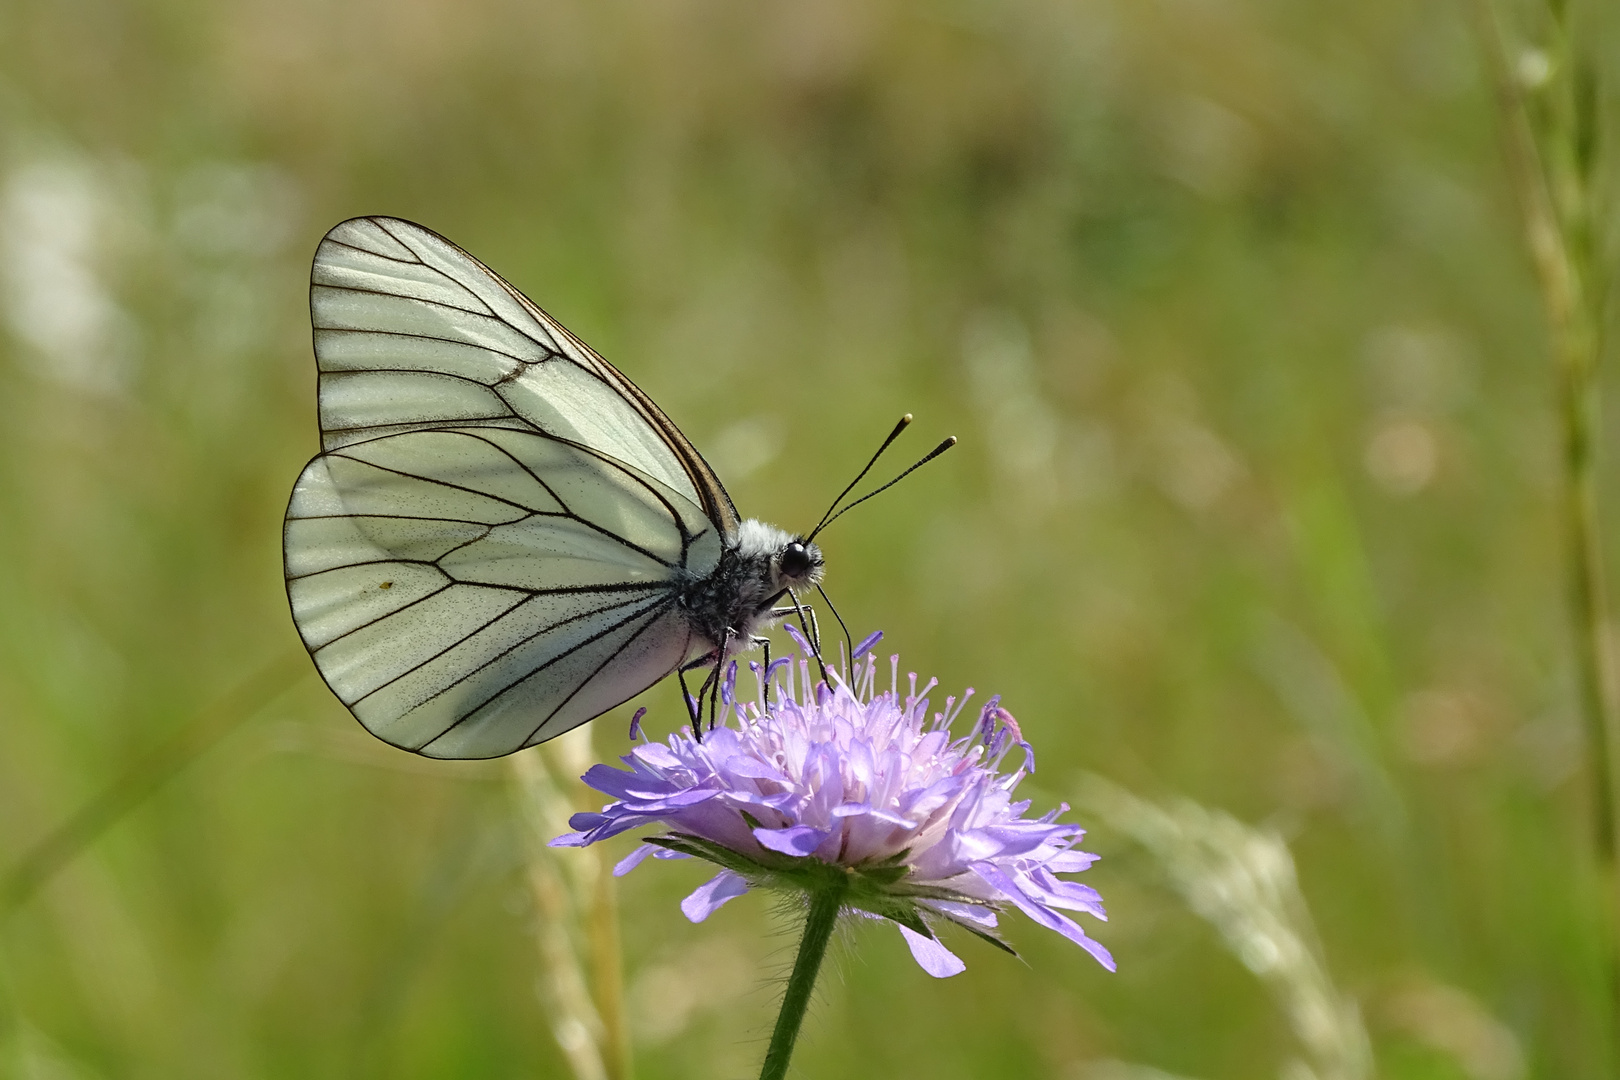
x,y
707,898
1068,894
1019,838
1073,931
621,785
1102,955
678,801
1070,862
892,819
835,771
848,810
1011,890
754,769
799,840
964,913
933,957
606,826
976,846
633,860
586,820
655,754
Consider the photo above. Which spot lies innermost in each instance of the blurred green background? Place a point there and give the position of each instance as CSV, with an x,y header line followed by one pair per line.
x,y
1256,503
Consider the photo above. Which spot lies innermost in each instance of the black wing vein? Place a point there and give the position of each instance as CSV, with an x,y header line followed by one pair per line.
x,y
466,711
571,481
571,650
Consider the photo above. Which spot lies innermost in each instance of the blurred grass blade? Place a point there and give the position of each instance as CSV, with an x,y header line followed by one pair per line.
x,y
1574,328
577,913
1318,697
144,776
1241,880
1550,151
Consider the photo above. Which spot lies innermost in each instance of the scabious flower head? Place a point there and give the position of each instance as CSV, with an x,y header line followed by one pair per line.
x,y
918,824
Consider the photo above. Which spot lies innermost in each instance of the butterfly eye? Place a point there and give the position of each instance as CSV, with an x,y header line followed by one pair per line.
x,y
794,561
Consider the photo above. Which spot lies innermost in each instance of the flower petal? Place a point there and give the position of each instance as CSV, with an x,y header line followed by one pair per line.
x,y
848,810
619,783
1041,913
1070,862
799,840
832,769
754,769
1066,894
586,820
933,957
707,898
964,913
632,860
656,754
1102,955
677,801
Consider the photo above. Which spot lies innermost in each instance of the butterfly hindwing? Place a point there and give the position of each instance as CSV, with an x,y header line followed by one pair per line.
x,y
470,591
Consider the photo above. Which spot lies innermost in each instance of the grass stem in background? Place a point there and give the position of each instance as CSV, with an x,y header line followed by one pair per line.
x,y
1242,881
1548,100
607,969
576,908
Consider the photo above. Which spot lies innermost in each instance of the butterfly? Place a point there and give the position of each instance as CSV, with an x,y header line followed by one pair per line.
x,y
503,536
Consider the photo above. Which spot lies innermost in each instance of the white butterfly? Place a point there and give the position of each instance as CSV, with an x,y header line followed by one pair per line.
x,y
504,537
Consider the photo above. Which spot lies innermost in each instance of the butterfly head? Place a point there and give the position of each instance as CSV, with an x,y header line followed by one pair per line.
x,y
797,564
781,560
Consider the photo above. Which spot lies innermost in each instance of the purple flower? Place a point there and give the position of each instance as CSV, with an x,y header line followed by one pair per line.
x,y
869,787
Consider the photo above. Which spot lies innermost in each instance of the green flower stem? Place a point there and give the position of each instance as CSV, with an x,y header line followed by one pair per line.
x,y
825,902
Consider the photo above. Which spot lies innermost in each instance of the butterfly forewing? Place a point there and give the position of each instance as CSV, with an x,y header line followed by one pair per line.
x,y
386,295
490,550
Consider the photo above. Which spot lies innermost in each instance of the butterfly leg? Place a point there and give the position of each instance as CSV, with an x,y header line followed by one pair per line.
x,y
811,630
720,659
693,709
765,672
709,687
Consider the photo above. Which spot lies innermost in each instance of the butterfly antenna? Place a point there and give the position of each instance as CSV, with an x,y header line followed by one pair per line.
x,y
893,435
926,458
